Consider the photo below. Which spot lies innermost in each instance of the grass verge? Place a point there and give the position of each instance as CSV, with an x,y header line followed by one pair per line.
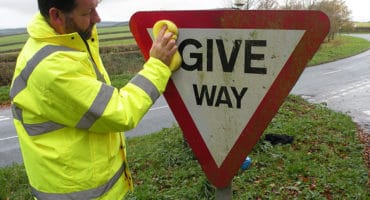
x,y
342,46
323,162
4,95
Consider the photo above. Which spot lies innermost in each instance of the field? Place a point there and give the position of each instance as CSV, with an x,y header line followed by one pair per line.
x,y
108,36
117,46
362,24
361,27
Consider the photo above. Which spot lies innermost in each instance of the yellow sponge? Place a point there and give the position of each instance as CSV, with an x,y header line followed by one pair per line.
x,y
171,27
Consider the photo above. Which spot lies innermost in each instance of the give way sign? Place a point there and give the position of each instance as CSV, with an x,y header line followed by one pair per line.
x,y
238,67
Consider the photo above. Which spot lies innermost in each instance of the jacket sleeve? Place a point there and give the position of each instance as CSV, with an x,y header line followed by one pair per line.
x,y
70,95
129,104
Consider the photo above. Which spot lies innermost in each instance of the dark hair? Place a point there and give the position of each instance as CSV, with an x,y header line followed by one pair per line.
x,y
63,5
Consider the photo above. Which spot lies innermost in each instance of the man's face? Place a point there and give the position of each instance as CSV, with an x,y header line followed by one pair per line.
x,y
83,18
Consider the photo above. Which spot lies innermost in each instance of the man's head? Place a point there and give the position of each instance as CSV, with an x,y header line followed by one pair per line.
x,y
68,16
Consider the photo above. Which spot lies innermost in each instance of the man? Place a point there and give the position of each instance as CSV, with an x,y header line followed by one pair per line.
x,y
67,116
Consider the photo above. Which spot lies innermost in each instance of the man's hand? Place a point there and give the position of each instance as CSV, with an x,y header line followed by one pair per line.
x,y
164,45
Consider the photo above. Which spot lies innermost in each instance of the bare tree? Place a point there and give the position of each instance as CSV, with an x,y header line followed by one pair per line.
x,y
241,4
252,4
267,5
338,13
294,5
347,27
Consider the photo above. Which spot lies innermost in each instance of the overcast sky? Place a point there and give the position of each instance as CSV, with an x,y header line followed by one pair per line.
x,y
17,13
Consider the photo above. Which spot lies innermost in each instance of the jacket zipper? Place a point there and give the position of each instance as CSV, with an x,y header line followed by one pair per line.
x,y
98,74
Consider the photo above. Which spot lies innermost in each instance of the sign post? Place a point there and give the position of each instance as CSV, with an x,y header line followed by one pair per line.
x,y
224,193
238,67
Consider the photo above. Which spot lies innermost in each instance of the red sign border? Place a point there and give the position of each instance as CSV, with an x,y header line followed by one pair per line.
x,y
316,25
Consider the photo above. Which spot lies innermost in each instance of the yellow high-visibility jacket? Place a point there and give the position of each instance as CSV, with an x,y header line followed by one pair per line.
x,y
70,121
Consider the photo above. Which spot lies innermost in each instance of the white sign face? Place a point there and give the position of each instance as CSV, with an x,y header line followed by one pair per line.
x,y
225,75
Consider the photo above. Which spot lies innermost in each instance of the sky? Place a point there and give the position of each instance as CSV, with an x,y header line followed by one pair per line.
x,y
17,13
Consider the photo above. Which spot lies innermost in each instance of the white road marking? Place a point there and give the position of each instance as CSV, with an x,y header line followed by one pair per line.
x,y
354,88
367,112
3,118
158,108
8,138
332,72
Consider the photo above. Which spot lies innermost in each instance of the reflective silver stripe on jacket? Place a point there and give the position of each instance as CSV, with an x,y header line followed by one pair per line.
x,y
21,81
97,108
35,129
102,99
147,86
82,195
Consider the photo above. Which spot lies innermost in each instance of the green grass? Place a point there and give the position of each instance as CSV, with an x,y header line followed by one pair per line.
x,y
115,35
7,43
119,42
4,94
11,48
362,24
14,183
121,80
113,29
341,47
323,162
13,38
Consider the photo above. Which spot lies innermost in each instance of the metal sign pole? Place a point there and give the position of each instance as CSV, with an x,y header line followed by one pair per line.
x,y
227,192
224,193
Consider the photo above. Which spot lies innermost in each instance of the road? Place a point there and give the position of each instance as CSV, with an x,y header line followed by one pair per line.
x,y
9,145
343,86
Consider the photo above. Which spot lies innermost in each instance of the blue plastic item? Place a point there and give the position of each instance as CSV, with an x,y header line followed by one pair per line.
x,y
247,162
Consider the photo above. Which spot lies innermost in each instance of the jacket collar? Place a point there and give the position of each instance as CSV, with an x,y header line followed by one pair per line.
x,y
39,29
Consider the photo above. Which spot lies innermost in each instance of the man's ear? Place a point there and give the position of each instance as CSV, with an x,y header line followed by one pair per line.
x,y
57,20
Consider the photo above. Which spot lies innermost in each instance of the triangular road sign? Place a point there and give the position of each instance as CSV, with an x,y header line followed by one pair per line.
x,y
238,67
